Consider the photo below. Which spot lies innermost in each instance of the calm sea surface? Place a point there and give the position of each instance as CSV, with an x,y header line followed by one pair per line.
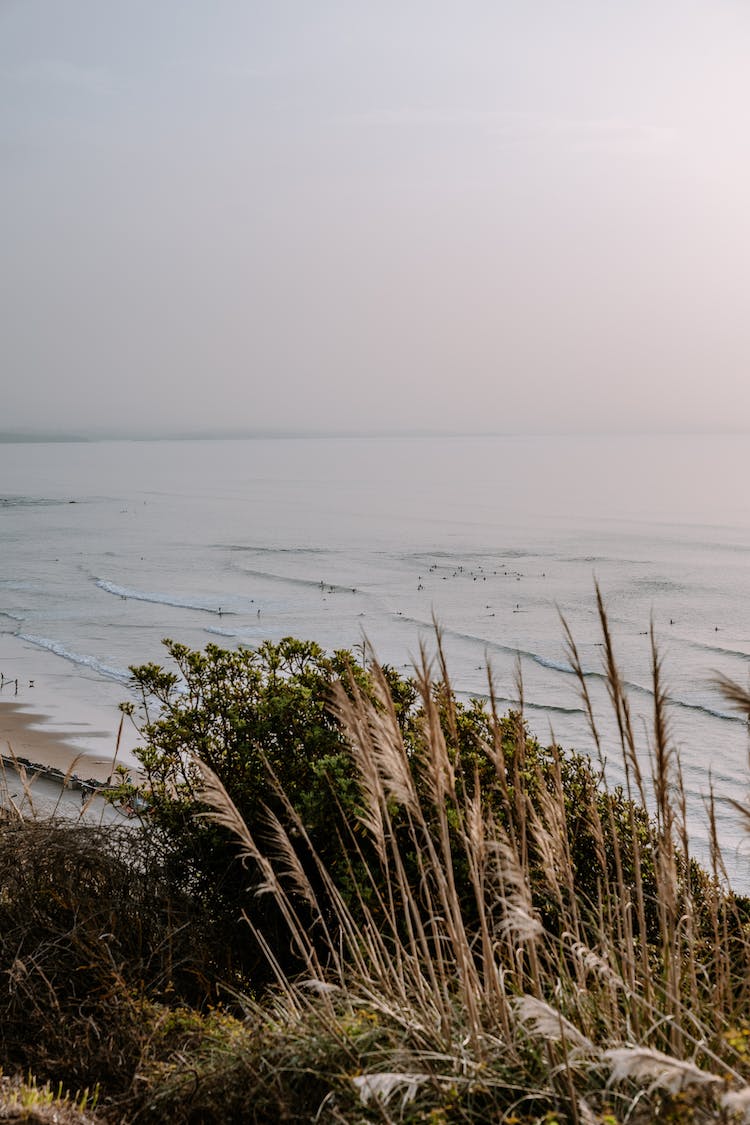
x,y
108,547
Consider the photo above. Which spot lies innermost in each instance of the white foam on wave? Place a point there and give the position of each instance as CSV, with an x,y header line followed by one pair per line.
x,y
111,673
159,599
567,669
497,646
221,632
714,712
506,702
548,662
734,653
292,580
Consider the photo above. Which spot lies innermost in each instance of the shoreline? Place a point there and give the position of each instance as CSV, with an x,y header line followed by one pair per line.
x,y
23,734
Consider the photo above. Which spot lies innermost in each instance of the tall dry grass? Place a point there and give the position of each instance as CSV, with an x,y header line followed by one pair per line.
x,y
543,988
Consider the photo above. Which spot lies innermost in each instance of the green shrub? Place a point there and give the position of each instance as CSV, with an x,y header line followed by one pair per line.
x,y
262,721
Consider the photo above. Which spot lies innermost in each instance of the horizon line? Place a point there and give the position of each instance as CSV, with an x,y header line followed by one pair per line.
x,y
20,436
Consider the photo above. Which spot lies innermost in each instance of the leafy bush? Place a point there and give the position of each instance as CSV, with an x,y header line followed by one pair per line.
x,y
262,720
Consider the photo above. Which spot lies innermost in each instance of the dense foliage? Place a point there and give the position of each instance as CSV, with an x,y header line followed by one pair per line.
x,y
354,898
262,720
90,932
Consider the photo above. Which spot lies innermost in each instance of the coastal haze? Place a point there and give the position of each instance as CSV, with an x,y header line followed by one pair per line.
x,y
514,217
470,282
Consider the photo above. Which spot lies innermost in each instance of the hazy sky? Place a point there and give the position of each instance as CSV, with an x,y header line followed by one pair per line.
x,y
387,214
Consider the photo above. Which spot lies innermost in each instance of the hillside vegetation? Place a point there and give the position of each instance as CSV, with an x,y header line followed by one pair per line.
x,y
356,899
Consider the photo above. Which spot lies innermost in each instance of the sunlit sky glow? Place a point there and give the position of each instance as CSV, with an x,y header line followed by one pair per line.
x,y
527,216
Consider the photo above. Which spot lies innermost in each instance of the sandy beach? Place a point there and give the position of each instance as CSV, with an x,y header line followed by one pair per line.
x,y
23,733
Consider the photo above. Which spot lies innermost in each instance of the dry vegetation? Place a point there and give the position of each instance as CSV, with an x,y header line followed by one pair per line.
x,y
510,941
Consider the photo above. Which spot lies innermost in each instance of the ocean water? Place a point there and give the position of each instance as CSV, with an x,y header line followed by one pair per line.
x,y
108,547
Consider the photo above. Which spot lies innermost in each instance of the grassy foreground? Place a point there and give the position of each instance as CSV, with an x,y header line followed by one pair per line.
x,y
476,930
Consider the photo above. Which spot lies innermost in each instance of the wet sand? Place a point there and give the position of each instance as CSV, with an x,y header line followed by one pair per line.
x,y
24,734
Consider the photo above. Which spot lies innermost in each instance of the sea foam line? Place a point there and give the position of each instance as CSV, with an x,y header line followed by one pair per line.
x,y
497,646
720,651
112,673
276,550
310,583
568,670
505,701
159,599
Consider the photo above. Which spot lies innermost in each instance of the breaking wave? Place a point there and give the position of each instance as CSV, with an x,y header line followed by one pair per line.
x,y
109,671
159,599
